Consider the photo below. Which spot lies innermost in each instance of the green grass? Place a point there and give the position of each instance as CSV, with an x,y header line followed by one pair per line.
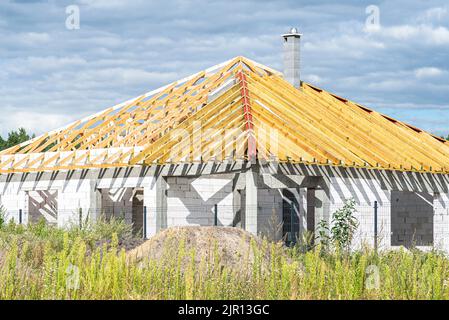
x,y
41,262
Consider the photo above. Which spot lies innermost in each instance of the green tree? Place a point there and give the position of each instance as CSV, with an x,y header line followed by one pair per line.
x,y
14,138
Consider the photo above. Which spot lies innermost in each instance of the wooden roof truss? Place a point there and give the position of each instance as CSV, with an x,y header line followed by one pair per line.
x,y
230,111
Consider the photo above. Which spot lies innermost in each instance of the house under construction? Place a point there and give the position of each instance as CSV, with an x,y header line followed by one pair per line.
x,y
243,145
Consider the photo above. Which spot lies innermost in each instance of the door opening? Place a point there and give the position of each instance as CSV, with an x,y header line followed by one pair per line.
x,y
290,217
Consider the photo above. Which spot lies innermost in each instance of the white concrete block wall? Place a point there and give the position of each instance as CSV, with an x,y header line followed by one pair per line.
x,y
187,195
13,202
150,205
365,193
441,221
250,201
269,214
77,195
190,201
117,203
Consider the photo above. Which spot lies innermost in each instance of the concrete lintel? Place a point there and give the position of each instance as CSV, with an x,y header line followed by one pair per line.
x,y
280,181
136,176
388,179
185,169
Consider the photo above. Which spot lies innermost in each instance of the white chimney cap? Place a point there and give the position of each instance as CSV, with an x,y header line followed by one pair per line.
x,y
292,33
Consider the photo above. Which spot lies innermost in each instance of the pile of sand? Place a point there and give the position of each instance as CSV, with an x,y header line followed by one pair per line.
x,y
232,248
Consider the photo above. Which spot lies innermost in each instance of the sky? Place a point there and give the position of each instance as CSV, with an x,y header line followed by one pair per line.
x,y
392,56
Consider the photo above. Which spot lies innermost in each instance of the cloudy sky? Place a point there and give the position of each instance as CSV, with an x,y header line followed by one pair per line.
x,y
51,75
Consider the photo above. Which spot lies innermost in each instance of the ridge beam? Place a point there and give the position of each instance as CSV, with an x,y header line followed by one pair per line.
x,y
247,113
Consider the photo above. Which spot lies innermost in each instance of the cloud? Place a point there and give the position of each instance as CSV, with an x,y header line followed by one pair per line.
x,y
30,120
107,4
314,79
420,33
126,48
33,64
113,77
428,72
33,38
435,14
349,45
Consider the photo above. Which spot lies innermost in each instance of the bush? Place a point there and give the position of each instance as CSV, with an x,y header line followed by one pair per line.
x,y
2,217
92,234
344,225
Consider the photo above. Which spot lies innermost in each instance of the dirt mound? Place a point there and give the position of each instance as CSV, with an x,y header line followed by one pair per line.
x,y
228,247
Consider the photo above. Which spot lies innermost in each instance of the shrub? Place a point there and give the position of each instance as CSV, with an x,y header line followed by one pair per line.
x,y
344,225
323,234
2,217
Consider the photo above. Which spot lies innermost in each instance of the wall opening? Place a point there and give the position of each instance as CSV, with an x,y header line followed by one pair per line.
x,y
290,217
137,211
123,203
43,206
411,219
116,203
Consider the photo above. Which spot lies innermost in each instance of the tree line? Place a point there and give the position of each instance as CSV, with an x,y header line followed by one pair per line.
x,y
14,138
